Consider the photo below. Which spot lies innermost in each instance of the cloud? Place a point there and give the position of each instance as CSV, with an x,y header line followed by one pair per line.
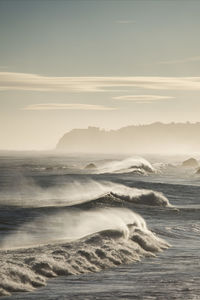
x,y
143,98
68,106
35,82
180,61
125,22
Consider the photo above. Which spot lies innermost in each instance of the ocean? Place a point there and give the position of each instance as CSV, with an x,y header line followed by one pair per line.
x,y
98,227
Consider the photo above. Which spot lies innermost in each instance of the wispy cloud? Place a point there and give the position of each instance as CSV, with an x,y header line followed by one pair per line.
x,y
180,61
68,106
34,82
126,22
142,98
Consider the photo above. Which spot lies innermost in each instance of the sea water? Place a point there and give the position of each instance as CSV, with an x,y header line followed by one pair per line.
x,y
121,228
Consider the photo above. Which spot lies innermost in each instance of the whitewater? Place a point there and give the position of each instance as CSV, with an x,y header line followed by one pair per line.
x,y
98,227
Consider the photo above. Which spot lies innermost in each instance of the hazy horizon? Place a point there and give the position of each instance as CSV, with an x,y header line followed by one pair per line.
x,y
109,64
110,130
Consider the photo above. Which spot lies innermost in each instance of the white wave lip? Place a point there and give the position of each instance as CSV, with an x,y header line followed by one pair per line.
x,y
107,238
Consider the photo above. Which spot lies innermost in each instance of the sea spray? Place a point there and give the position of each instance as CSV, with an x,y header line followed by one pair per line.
x,y
78,191
132,164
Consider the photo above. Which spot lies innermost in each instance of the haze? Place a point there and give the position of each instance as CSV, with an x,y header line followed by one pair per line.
x,y
74,64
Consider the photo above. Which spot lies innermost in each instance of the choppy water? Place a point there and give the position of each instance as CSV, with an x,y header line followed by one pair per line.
x,y
118,229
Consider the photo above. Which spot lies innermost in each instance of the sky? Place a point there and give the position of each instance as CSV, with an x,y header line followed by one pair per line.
x,y
73,64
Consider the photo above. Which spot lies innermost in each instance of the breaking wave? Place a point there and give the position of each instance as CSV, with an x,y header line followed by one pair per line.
x,y
129,165
78,192
102,239
118,194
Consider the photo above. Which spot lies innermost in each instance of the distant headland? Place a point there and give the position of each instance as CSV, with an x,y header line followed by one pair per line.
x,y
153,138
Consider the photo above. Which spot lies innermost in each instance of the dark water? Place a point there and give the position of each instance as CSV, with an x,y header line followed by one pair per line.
x,y
73,233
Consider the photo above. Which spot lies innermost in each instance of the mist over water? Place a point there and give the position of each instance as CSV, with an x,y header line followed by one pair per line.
x,y
73,225
71,220
28,191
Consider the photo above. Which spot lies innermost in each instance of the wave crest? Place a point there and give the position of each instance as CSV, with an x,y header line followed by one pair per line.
x,y
77,192
129,165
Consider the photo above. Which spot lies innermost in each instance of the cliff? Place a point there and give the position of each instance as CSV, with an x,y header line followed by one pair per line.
x,y
153,138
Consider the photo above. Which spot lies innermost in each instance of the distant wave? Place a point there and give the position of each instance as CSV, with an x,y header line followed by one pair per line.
x,y
118,236
136,165
129,165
